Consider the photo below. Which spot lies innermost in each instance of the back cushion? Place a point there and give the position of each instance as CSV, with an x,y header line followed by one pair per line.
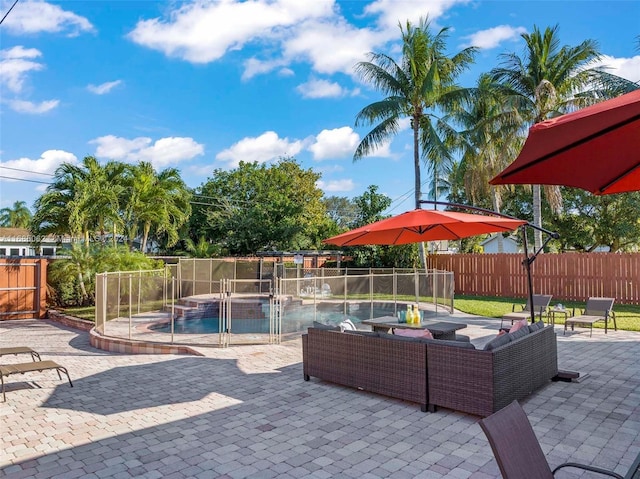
x,y
520,333
497,342
331,327
536,326
518,325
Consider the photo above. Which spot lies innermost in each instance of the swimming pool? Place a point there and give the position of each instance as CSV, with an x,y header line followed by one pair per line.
x,y
252,316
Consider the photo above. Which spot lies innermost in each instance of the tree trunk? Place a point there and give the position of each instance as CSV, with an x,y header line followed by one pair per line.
x,y
537,216
417,179
145,236
495,203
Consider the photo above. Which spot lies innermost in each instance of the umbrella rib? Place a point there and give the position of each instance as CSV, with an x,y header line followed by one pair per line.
x,y
619,177
572,145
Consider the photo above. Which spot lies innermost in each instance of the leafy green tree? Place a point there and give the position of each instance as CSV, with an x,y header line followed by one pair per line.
x,y
590,221
201,249
259,207
549,80
419,87
341,210
16,216
369,207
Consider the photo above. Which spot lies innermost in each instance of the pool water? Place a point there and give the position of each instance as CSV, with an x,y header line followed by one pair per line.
x,y
297,318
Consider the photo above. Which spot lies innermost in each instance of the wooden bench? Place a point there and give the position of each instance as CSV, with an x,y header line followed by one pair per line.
x,y
21,368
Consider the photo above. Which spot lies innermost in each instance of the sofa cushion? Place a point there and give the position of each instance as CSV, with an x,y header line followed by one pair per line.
x,y
536,326
414,333
450,342
347,325
498,341
330,327
518,325
520,333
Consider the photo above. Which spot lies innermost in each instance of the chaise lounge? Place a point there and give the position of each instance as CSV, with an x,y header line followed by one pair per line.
x,y
597,309
7,370
20,350
540,306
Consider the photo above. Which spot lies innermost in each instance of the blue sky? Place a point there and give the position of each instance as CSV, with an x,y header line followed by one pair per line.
x,y
202,85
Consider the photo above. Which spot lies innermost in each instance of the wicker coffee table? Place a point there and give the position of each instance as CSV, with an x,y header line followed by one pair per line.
x,y
439,329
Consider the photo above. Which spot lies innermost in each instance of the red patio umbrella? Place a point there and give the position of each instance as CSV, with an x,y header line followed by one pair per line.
x,y
424,225
596,148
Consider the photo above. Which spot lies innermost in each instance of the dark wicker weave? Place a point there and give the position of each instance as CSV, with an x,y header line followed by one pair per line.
x,y
474,381
482,382
394,368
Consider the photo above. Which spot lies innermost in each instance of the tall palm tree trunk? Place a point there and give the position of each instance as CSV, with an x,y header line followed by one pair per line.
x,y
418,181
537,216
495,203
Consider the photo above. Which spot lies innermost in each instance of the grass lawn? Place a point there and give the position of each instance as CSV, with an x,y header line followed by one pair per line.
x,y
627,316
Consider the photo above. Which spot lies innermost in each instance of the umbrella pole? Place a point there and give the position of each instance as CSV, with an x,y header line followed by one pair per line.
x,y
527,266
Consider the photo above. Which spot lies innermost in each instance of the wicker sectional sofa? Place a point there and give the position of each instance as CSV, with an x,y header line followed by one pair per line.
x,y
435,373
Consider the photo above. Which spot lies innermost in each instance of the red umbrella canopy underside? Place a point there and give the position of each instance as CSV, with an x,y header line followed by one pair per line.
x,y
596,148
424,225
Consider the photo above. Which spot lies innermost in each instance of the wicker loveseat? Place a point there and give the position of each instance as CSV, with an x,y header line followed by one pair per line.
x,y
433,372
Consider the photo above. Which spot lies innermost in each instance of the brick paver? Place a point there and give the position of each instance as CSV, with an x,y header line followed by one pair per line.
x,y
245,412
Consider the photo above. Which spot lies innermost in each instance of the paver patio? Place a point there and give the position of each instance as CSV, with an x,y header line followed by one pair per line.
x,y
245,411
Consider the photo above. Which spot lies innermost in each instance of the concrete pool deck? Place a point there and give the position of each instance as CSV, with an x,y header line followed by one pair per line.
x,y
245,411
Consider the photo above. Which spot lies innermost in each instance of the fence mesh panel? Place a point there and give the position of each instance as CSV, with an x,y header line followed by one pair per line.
x,y
195,302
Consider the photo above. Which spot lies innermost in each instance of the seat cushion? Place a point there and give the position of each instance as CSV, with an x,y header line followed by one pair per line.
x,y
414,333
330,327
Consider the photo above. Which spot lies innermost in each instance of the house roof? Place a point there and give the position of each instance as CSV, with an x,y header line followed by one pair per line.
x,y
494,237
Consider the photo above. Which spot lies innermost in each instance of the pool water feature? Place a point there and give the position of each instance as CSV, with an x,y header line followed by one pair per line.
x,y
251,315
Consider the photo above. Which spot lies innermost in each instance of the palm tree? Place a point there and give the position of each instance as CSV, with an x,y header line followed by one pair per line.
x,y
492,135
82,200
158,202
550,80
422,84
17,216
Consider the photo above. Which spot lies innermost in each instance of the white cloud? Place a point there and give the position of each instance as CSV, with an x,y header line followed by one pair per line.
x,y
336,143
104,87
253,67
24,106
317,88
332,47
164,152
15,64
336,186
266,147
492,37
628,68
30,17
49,161
203,31
393,12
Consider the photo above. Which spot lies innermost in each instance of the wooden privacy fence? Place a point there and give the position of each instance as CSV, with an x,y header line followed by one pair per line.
x,y
23,286
566,276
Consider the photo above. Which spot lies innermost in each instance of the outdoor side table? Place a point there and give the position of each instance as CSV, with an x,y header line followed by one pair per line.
x,y
551,315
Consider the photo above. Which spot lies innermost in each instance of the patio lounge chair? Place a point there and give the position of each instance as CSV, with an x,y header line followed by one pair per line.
x,y
540,306
20,350
21,368
517,450
597,309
